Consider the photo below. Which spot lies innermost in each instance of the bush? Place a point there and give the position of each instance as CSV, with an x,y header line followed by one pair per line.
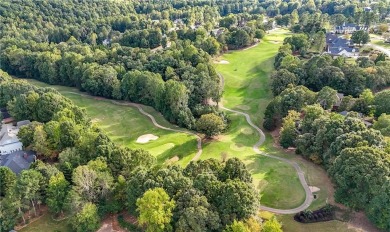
x,y
324,214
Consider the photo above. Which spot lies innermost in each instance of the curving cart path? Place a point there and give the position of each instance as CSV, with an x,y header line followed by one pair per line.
x,y
301,175
155,123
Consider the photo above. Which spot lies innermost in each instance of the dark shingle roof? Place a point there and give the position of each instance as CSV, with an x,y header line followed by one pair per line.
x,y
337,50
18,161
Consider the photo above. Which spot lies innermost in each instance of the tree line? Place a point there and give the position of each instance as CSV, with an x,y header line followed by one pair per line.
x,y
307,106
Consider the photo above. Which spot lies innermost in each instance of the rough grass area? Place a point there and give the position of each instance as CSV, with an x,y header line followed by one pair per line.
x,y
124,124
46,224
289,225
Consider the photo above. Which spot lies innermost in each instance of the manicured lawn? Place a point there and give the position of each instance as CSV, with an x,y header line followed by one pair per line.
x,y
46,223
247,89
124,124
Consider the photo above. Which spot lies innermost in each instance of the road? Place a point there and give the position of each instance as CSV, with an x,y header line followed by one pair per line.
x,y
301,175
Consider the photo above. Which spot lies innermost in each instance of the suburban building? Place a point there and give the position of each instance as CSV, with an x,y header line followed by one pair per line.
x,y
217,32
18,161
338,46
340,97
9,141
349,28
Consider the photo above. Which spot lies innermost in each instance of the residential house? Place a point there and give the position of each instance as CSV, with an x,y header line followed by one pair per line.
x,y
367,123
9,141
367,9
340,97
216,32
346,52
338,46
18,161
349,28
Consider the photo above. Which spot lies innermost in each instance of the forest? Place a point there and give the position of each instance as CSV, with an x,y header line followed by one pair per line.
x,y
160,54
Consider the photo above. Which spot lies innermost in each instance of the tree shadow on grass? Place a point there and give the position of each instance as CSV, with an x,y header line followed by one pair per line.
x,y
181,151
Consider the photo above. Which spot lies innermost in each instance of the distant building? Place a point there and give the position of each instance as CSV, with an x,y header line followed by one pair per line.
x,y
346,52
340,97
337,46
18,161
367,9
106,42
349,28
9,141
216,32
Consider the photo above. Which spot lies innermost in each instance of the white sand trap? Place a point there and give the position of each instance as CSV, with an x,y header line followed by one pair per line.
x,y
314,189
237,147
243,107
146,138
222,62
247,131
275,42
95,120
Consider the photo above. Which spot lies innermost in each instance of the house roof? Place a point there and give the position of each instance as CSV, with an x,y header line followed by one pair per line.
x,y
18,161
8,132
340,97
351,25
339,50
330,37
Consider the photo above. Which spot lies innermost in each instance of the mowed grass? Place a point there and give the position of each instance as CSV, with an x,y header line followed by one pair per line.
x,y
46,223
247,89
124,124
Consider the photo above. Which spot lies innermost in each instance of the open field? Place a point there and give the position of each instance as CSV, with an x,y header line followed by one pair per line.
x,y
124,124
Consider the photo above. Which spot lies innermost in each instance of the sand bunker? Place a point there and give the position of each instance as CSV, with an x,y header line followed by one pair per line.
x,y
222,62
314,189
275,42
146,138
247,131
237,147
243,107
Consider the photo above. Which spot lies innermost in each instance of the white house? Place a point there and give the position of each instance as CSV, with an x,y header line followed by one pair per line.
x,y
9,141
342,51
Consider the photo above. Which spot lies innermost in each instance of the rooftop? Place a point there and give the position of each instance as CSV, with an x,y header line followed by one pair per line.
x,y
18,161
9,132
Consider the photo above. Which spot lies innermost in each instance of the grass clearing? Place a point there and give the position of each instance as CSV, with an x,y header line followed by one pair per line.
x,y
46,223
124,124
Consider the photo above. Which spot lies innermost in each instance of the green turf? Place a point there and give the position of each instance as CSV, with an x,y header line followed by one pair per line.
x,y
247,89
46,223
124,124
